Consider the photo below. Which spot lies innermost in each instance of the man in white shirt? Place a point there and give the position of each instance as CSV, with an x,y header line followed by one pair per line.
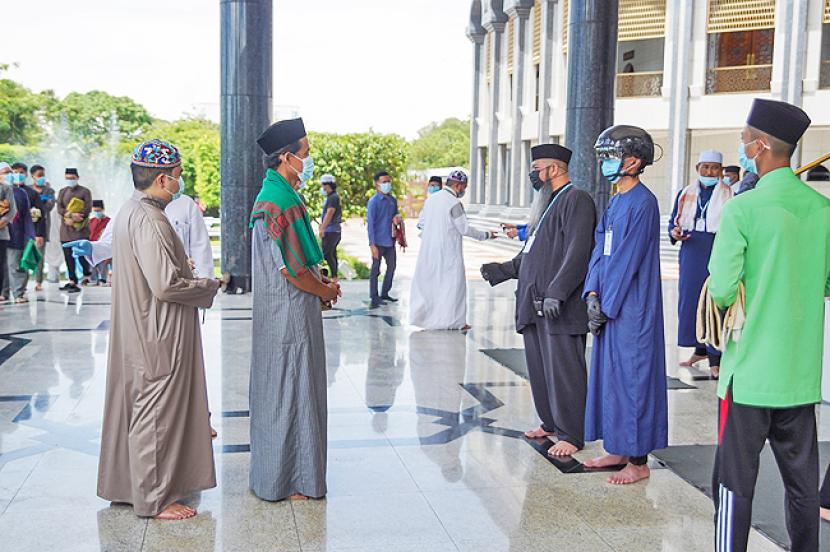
x,y
189,224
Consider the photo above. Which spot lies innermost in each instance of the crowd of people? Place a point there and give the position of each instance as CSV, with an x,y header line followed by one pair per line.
x,y
578,273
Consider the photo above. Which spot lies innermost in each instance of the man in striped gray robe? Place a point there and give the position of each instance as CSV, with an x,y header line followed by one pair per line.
x,y
288,362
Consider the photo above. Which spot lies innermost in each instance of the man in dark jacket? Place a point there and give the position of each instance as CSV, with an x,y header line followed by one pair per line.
x,y
550,313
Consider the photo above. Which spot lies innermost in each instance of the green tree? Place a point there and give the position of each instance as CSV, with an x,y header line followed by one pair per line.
x,y
353,159
90,117
207,181
198,141
21,111
445,144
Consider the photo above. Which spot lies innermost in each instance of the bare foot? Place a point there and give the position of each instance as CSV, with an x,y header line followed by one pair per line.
x,y
630,474
466,328
38,287
607,461
537,433
824,513
213,434
562,448
715,371
21,300
298,497
694,359
176,511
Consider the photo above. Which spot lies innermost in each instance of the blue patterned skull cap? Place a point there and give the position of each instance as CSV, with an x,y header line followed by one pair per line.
x,y
457,176
156,154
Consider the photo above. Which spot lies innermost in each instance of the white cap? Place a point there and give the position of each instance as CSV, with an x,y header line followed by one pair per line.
x,y
710,156
327,179
4,165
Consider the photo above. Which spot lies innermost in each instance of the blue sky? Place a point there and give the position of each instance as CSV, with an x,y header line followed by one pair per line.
x,y
345,65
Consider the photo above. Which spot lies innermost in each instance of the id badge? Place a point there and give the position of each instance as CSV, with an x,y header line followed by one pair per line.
x,y
609,237
529,243
700,225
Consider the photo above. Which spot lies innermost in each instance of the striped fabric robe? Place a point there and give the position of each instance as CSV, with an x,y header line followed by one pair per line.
x,y
288,381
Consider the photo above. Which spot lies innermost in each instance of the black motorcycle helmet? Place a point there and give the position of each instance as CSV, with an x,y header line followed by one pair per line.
x,y
620,141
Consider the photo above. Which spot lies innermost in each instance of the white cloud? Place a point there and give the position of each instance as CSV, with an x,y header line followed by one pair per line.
x,y
390,65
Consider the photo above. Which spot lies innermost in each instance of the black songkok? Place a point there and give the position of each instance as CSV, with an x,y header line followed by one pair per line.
x,y
281,134
732,169
779,119
435,179
70,170
550,151
98,203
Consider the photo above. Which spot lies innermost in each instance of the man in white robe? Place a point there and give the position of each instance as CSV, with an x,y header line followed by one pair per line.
x,y
438,299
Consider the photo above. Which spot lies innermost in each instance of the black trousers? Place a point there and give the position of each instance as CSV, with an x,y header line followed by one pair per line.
x,y
714,356
70,264
387,254
824,493
330,242
558,381
792,437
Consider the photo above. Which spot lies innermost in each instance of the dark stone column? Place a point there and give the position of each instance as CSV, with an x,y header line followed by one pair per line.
x,y
246,27
592,53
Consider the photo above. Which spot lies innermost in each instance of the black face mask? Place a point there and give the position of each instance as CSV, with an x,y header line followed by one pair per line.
x,y
536,180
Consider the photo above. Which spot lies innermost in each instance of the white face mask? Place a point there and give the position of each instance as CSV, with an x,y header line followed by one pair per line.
x,y
71,183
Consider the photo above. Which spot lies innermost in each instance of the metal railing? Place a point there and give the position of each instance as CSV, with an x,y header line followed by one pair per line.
x,y
645,83
739,78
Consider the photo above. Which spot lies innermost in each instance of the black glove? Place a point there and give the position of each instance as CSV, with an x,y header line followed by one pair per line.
x,y
493,273
486,271
551,308
596,319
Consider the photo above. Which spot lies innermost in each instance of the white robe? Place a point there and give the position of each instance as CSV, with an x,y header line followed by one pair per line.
x,y
438,299
190,226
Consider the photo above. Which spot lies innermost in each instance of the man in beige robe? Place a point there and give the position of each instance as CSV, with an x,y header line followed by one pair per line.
x,y
156,445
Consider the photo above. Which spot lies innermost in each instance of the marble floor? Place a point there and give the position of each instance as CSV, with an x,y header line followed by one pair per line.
x,y
425,452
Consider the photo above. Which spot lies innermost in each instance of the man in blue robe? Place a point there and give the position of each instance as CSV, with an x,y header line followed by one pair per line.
x,y
694,222
626,405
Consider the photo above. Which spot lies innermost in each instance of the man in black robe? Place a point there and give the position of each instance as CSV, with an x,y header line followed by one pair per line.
x,y
550,313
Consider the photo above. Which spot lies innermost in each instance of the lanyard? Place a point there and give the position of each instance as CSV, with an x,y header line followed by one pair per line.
x,y
704,208
545,214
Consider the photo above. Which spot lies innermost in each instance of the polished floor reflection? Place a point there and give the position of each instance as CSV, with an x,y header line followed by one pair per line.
x,y
425,448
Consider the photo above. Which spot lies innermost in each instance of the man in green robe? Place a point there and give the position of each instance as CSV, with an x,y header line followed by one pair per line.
x,y
288,362
776,240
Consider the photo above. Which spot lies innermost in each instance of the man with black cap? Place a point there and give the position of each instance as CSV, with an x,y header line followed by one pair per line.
x,y
438,297
776,241
434,186
331,219
732,177
626,405
74,207
550,313
288,363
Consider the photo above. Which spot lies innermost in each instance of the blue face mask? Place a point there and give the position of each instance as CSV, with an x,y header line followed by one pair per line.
x,y
433,189
307,172
386,187
18,178
744,161
727,180
610,169
323,190
708,181
41,181
10,179
177,195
